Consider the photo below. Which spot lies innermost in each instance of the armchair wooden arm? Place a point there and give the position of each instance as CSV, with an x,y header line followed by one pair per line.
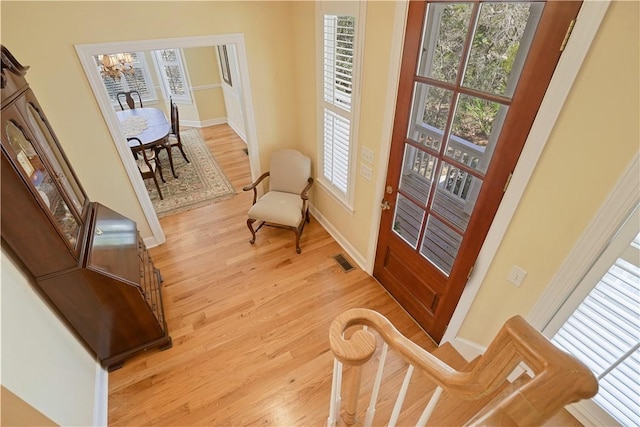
x,y
254,185
305,197
306,189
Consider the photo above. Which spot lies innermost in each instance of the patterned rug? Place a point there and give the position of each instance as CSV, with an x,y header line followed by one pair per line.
x,y
199,183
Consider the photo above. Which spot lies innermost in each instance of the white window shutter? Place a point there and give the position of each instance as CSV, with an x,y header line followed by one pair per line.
x,y
338,74
604,333
139,81
336,150
172,74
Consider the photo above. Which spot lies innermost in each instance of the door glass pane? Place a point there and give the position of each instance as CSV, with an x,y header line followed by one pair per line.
x,y
407,220
58,163
38,175
431,107
456,194
417,173
440,244
445,31
501,42
476,126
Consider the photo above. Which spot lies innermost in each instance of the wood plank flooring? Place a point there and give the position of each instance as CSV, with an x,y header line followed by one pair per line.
x,y
249,323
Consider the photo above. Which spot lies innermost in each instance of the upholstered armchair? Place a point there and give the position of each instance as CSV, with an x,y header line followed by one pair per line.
x,y
285,204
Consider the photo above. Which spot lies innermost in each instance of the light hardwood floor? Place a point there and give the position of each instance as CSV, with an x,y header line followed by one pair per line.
x,y
249,323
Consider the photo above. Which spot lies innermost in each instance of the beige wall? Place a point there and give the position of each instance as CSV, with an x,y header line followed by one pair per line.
x,y
590,147
592,143
595,137
204,73
353,226
71,107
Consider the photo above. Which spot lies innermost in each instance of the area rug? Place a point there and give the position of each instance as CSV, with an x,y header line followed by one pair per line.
x,y
199,183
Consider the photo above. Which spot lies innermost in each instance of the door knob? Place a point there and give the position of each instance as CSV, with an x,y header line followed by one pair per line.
x,y
385,205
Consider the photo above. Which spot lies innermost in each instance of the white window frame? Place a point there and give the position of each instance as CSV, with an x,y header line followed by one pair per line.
x,y
620,246
164,84
357,10
605,225
141,63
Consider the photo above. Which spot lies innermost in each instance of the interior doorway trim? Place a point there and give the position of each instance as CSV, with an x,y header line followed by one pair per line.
x,y
86,52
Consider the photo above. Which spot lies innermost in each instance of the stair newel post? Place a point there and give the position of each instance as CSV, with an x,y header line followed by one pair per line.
x,y
352,393
353,350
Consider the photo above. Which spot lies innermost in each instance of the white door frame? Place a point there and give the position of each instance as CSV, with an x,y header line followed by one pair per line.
x,y
86,52
587,23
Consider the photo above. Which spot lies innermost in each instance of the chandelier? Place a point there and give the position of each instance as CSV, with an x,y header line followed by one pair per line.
x,y
116,65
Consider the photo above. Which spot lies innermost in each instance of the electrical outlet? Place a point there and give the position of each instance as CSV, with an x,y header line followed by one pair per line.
x,y
367,155
516,275
366,172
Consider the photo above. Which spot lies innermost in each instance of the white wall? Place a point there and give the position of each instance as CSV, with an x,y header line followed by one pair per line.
x,y
42,362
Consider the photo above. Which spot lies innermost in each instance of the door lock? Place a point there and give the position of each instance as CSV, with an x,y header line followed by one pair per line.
x,y
385,205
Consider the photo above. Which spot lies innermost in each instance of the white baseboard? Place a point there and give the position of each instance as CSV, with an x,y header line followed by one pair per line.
x,y
101,397
204,123
344,243
468,349
236,129
150,242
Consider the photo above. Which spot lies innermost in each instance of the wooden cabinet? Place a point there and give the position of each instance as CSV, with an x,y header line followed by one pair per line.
x,y
88,261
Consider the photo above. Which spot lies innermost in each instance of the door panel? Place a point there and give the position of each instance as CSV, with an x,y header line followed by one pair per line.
x,y
472,79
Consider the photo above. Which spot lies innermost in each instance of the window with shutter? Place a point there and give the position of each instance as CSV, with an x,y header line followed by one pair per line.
x,y
172,74
604,330
340,65
140,80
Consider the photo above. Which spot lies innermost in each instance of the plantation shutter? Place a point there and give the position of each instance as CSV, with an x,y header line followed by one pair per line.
x,y
338,66
336,150
139,81
172,74
604,333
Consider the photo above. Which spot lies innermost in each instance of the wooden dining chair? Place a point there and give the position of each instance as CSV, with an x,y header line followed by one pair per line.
x,y
129,99
173,140
174,136
147,163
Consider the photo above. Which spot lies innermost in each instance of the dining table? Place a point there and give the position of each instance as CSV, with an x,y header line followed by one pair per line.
x,y
150,126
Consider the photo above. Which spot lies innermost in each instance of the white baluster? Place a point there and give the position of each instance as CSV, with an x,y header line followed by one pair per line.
x,y
336,385
371,410
428,410
395,414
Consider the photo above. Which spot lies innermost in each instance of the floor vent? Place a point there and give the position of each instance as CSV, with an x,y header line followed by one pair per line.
x,y
344,263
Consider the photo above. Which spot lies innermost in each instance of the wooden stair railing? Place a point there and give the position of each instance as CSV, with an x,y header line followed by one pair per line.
x,y
553,378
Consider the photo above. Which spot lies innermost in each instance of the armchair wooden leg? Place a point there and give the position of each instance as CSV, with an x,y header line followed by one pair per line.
x,y
297,231
253,233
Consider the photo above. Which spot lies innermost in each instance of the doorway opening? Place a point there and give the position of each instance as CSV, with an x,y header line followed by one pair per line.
x,y
235,44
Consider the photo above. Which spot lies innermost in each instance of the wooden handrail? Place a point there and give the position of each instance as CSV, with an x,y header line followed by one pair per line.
x,y
558,378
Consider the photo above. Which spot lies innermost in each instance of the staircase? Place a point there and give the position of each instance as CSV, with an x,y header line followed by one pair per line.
x,y
382,378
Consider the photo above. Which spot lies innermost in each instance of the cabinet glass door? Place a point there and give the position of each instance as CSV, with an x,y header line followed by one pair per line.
x,y
23,153
57,160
